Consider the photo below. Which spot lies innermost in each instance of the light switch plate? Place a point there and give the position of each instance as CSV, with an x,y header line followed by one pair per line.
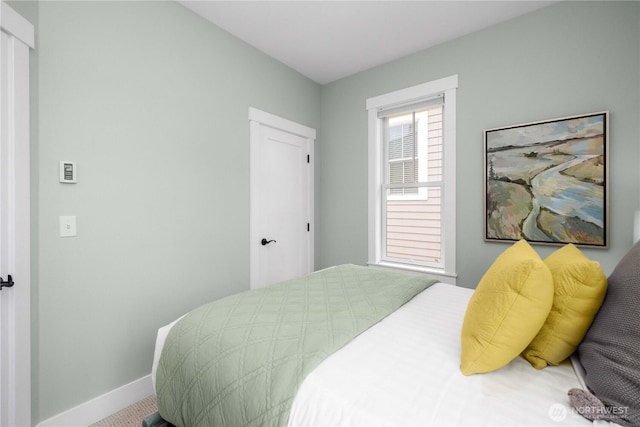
x,y
68,226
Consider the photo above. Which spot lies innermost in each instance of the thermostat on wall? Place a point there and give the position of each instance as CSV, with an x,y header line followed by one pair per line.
x,y
68,172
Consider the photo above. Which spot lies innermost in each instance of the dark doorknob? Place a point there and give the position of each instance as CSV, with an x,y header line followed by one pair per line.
x,y
9,283
266,242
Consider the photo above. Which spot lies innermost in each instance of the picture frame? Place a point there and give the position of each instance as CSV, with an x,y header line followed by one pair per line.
x,y
547,181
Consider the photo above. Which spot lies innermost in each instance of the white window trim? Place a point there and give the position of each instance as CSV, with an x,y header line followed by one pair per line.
x,y
448,86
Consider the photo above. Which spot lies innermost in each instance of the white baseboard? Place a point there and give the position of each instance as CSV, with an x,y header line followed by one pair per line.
x,y
102,406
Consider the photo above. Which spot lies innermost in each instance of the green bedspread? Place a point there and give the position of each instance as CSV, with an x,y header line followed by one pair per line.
x,y
240,360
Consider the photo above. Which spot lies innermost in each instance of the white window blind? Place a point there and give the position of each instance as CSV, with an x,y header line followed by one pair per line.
x,y
414,105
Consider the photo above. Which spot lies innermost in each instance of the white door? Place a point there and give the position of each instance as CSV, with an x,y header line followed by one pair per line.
x,y
15,324
281,199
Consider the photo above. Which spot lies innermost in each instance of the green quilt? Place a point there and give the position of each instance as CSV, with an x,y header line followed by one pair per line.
x,y
239,361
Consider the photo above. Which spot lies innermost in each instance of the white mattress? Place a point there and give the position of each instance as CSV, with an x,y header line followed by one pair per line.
x,y
405,371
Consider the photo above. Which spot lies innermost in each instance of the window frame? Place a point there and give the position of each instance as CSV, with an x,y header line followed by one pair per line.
x,y
446,87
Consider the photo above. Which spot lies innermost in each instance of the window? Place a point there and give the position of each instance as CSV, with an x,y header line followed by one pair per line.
x,y
412,178
402,152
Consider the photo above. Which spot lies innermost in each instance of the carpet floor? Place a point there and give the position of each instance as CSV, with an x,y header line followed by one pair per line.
x,y
130,416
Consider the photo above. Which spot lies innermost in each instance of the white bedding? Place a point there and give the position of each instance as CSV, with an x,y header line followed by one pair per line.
x,y
405,371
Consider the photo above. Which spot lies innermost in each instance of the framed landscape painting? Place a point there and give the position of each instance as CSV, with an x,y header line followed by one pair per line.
x,y
546,182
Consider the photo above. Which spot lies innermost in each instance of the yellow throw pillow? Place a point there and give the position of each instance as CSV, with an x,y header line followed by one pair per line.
x,y
506,311
580,286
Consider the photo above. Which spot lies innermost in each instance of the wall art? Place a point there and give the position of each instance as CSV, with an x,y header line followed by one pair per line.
x,y
547,181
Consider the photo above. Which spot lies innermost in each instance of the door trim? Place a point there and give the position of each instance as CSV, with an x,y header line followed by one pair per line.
x,y
14,126
258,118
277,122
14,24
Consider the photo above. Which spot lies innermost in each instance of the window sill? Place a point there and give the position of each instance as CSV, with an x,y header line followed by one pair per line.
x,y
440,274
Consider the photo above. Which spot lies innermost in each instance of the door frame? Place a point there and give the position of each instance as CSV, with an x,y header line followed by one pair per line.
x,y
257,119
15,349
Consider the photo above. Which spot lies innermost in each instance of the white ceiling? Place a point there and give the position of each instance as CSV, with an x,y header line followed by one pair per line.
x,y
329,40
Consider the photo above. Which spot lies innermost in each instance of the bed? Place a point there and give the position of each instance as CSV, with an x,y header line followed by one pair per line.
x,y
402,369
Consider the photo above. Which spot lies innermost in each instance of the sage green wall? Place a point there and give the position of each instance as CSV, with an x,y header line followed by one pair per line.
x,y
151,101
568,58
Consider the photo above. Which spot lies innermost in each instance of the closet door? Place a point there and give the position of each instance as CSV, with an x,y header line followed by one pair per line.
x,y
15,324
281,205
